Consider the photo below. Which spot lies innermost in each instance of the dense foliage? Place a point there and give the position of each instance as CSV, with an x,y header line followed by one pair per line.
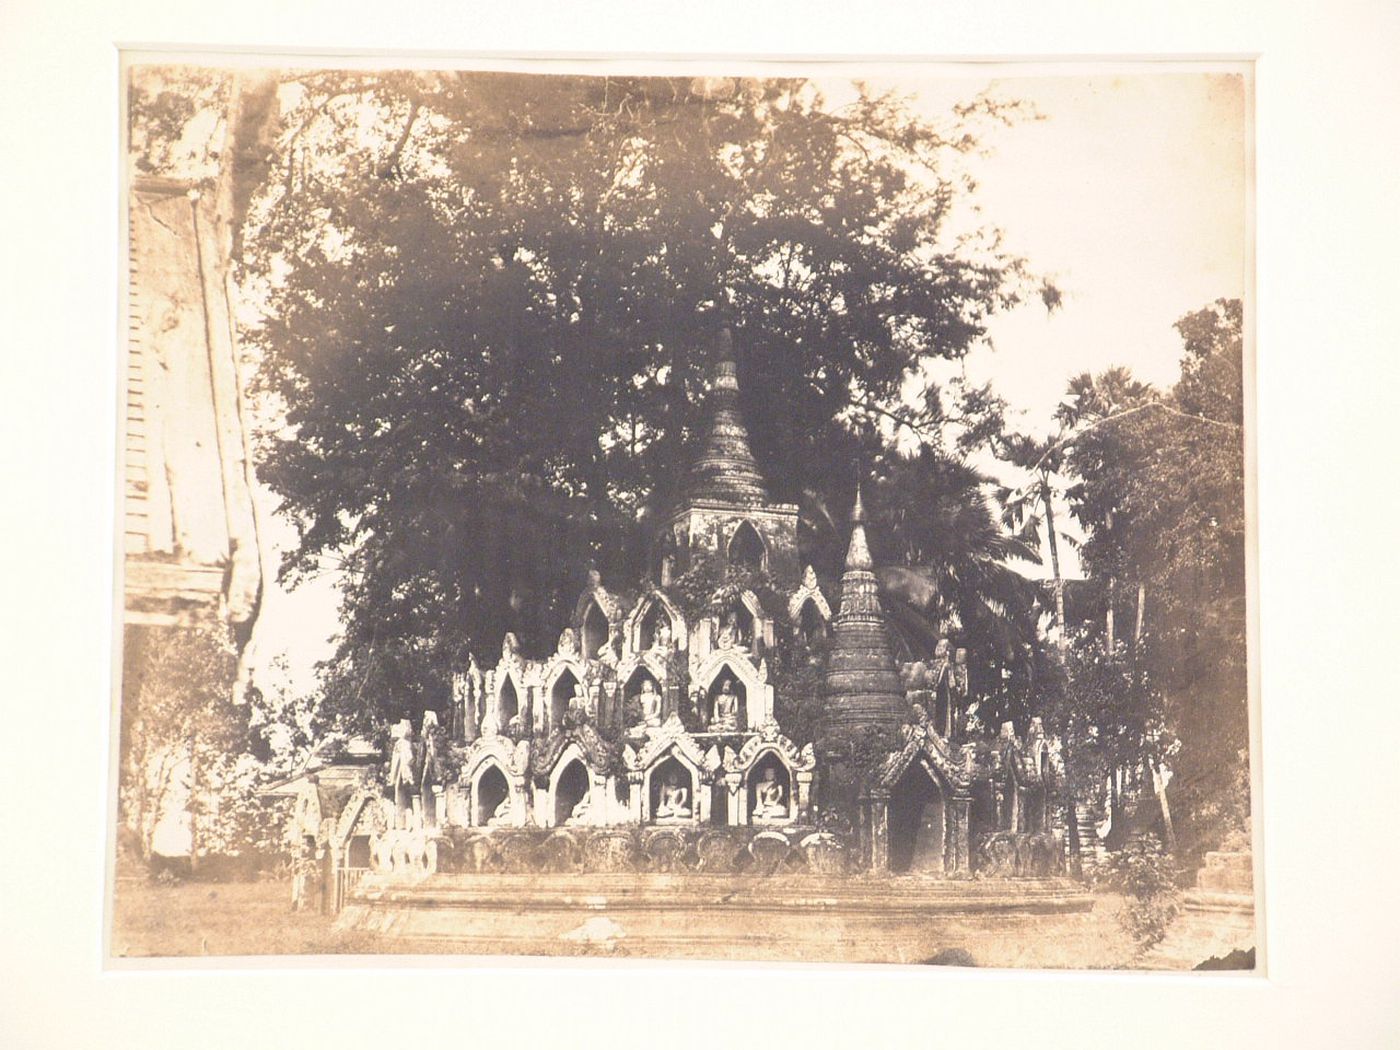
x,y
1160,493
177,727
490,298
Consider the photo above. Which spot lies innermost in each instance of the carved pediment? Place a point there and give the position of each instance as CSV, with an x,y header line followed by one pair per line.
x,y
513,758
671,735
598,754
363,814
924,745
770,740
808,592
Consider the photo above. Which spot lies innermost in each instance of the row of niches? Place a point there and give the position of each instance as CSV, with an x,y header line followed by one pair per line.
x,y
725,691
631,661
667,776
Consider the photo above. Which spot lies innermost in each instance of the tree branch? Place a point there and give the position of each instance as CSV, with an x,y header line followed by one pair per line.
x,y
1070,439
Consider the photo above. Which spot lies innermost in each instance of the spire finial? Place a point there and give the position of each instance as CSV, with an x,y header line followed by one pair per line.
x,y
858,554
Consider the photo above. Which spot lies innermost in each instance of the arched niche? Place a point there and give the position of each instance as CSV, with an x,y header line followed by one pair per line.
x,y
671,770
655,626
507,702
571,784
561,692
594,630
737,626
811,624
769,762
665,558
917,822
490,789
746,548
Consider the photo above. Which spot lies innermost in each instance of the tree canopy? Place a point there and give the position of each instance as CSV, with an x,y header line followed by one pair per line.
x,y
489,298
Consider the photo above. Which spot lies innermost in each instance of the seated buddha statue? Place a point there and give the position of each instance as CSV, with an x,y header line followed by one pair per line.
x,y
726,717
502,814
768,801
580,811
675,798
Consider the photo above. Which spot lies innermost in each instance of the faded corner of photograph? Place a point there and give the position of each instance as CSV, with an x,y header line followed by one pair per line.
x,y
793,514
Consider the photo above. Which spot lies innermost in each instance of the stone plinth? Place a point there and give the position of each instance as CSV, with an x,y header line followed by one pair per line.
x,y
798,918
1217,917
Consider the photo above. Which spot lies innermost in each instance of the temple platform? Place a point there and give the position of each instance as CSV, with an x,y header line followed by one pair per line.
x,y
795,918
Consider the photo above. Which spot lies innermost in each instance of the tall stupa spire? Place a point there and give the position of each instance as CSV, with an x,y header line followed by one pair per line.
x,y
863,687
725,468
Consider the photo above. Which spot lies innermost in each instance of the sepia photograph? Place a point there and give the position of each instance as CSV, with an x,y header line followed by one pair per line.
x,y
769,512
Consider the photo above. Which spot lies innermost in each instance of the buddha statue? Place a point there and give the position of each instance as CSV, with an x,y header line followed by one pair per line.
x,y
729,631
726,716
768,803
651,703
579,813
501,815
578,703
675,799
662,641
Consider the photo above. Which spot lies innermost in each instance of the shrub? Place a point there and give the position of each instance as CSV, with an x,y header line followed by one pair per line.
x,y
1147,878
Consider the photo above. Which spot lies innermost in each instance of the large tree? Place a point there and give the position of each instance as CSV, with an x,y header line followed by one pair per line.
x,y
1160,494
488,301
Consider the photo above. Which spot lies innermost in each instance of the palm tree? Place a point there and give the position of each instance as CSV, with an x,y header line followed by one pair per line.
x,y
1027,509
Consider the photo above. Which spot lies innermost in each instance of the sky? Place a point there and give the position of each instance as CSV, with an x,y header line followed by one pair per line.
x,y
1130,193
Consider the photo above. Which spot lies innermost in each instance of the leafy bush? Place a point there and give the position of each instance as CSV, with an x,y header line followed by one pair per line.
x,y
1147,878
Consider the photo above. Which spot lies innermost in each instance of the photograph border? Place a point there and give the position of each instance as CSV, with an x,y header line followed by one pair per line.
x,y
1319,80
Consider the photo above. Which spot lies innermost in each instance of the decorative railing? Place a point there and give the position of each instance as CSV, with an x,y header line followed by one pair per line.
x,y
346,879
710,850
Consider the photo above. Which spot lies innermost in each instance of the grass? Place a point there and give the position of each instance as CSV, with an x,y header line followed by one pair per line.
x,y
152,919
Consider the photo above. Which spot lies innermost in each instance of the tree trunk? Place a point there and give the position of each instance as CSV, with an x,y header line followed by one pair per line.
x,y
1055,564
1159,782
219,218
1108,617
1141,601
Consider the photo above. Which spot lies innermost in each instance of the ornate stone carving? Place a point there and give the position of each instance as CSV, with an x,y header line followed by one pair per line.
x,y
769,738
597,754
826,854
664,851
921,744
560,852
609,851
810,591
671,734
768,850
716,851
